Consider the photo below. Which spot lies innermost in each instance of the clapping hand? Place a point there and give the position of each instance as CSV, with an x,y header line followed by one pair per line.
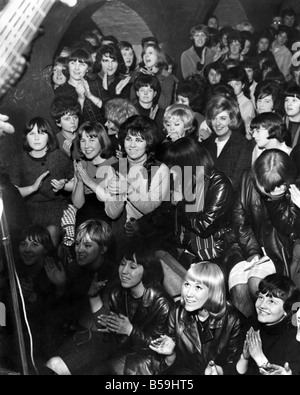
x,y
96,286
39,181
56,274
117,185
115,323
163,346
83,174
275,370
121,85
58,185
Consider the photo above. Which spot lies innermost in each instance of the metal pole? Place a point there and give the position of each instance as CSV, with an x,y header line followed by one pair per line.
x,y
14,293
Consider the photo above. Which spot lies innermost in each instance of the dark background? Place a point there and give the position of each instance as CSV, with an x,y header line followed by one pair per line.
x,y
169,20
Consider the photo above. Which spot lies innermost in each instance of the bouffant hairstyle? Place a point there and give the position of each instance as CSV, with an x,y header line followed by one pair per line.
x,y
219,104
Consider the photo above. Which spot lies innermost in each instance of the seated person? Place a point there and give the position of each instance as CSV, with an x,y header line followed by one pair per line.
x,y
131,316
203,313
265,224
271,346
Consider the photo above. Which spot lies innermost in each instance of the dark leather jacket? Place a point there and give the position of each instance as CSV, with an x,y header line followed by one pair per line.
x,y
259,222
221,340
150,320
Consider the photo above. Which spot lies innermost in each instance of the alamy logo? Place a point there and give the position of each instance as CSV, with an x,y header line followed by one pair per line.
x,y
2,315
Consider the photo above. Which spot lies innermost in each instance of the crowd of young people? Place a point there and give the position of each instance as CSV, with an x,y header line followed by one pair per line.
x,y
202,166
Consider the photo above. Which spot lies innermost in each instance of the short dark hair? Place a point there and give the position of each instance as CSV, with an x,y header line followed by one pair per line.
x,y
147,40
114,53
81,55
43,126
193,92
144,80
269,88
97,130
235,35
274,124
143,126
41,235
271,170
281,287
64,105
218,67
238,73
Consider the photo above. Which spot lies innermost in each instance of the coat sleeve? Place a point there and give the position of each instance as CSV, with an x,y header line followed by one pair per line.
x,y
241,220
158,325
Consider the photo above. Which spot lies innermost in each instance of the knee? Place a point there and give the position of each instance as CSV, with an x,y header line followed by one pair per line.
x,y
58,366
253,284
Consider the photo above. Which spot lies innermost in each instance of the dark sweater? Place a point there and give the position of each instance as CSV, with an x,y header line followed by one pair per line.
x,y
279,345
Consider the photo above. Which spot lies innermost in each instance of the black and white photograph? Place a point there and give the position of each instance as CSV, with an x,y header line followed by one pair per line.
x,y
149,190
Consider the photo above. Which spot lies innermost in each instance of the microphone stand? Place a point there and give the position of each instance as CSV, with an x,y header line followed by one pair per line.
x,y
5,235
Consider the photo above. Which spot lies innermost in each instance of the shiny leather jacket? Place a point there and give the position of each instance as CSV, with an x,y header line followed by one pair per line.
x,y
221,340
150,320
259,222
218,201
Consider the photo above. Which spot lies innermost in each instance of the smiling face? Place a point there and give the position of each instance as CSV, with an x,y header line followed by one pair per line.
x,y
135,147
90,146
109,65
32,251
87,251
38,141
221,125
269,309
150,57
265,104
78,70
175,128
194,295
130,273
200,39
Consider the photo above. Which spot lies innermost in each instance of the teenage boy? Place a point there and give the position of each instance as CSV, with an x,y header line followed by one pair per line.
x,y
148,89
66,112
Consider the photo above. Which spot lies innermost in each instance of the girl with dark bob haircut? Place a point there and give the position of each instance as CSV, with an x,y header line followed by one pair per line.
x,y
268,97
43,126
41,172
273,123
271,346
